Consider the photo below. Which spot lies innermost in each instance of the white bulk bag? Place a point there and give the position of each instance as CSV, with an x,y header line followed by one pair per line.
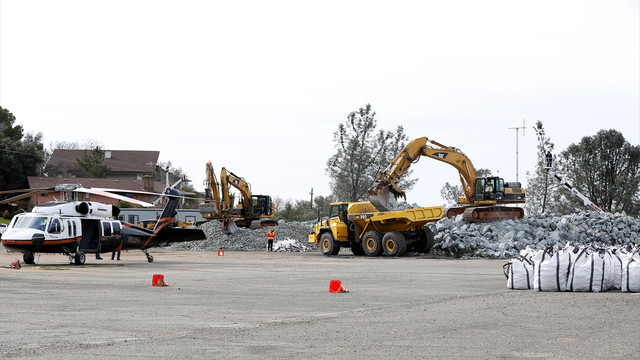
x,y
616,267
631,272
587,272
551,269
519,273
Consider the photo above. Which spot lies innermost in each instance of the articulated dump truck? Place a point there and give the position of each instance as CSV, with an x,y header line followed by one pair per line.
x,y
367,231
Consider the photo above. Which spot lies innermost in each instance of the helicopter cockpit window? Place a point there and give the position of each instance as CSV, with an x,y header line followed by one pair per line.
x,y
28,222
55,227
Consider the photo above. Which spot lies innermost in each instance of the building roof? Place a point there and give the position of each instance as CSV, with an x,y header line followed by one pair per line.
x,y
119,161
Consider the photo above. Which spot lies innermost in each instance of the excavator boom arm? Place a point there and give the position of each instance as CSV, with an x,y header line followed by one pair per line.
x,y
389,179
239,183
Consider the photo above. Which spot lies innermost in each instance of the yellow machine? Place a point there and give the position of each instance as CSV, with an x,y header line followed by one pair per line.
x,y
482,195
366,231
251,211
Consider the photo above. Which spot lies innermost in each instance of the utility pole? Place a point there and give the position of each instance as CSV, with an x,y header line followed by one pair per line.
x,y
517,129
311,198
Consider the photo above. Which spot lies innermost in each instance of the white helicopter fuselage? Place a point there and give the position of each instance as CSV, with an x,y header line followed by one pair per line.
x,y
76,228
64,228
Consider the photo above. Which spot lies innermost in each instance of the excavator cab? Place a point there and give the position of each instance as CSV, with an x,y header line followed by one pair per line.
x,y
489,189
260,205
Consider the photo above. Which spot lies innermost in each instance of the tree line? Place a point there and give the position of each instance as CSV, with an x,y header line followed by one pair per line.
x,y
604,167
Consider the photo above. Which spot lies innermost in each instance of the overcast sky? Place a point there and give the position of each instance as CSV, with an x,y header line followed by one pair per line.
x,y
260,86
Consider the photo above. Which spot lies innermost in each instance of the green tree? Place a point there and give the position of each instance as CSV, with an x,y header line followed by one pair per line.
x,y
539,184
90,163
301,210
20,155
451,193
606,169
362,154
125,204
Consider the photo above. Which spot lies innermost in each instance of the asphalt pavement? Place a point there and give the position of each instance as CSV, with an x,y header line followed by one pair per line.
x,y
259,305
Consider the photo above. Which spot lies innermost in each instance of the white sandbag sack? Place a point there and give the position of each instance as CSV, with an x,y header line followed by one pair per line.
x,y
631,272
611,263
519,273
551,269
616,266
587,271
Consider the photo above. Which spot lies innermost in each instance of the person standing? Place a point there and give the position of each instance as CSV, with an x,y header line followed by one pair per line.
x,y
116,251
270,236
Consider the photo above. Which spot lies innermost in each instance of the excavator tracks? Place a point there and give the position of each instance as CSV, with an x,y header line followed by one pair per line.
x,y
491,213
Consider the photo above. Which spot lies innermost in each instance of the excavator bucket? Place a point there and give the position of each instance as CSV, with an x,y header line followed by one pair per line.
x,y
379,197
229,226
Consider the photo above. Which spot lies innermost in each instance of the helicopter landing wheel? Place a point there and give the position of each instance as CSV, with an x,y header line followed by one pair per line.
x,y
79,258
28,258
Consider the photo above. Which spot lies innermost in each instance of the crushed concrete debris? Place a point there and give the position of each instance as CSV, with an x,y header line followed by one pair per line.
x,y
453,237
290,236
505,239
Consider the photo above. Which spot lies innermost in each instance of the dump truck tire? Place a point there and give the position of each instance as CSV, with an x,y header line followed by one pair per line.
x,y
426,242
356,249
372,243
394,244
328,244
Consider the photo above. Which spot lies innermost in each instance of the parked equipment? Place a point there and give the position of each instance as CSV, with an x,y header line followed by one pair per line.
x,y
366,231
251,211
483,196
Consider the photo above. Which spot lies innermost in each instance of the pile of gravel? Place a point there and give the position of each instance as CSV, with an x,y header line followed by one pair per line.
x,y
453,237
245,239
505,239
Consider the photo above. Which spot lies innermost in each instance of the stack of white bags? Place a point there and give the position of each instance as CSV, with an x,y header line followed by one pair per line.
x,y
585,268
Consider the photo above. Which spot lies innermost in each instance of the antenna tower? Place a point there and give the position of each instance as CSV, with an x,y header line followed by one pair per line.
x,y
517,129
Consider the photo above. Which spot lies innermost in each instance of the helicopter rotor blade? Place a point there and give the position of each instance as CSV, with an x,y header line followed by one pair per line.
x,y
23,196
114,196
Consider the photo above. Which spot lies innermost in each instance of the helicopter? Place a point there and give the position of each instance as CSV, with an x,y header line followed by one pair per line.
x,y
77,228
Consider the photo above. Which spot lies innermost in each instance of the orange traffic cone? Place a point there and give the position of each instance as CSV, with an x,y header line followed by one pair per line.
x,y
220,252
158,280
335,286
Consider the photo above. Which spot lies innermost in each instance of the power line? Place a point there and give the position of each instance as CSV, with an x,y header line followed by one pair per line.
x,y
22,153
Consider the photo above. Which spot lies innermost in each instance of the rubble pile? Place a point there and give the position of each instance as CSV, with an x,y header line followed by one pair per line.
x,y
505,239
290,245
453,237
243,239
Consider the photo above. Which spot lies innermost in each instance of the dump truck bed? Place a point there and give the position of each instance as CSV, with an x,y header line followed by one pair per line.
x,y
397,220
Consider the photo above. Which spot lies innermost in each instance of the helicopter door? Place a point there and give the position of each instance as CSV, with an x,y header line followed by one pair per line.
x,y
91,235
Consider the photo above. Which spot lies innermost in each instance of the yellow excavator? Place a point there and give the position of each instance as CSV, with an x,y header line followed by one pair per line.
x,y
252,211
483,198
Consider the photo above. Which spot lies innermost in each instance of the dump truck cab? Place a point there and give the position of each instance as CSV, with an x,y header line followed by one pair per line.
x,y
337,224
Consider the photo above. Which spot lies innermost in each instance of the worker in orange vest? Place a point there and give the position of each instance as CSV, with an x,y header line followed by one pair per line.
x,y
270,236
